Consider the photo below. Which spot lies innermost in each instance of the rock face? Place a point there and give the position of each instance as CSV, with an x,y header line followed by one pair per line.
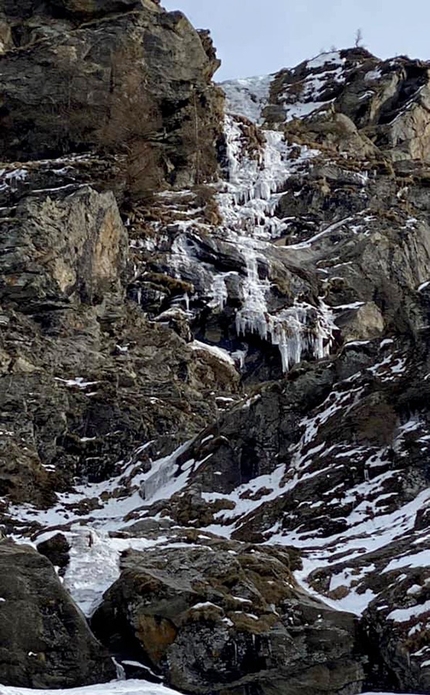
x,y
44,639
63,247
396,626
219,618
213,349
120,76
65,257
370,101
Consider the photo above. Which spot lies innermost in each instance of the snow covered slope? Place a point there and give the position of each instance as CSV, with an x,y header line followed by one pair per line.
x,y
317,79
129,687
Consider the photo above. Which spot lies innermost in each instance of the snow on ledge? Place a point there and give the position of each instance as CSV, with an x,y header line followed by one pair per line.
x,y
218,352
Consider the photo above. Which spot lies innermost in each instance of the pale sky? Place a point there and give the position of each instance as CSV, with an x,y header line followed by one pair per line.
x,y
256,37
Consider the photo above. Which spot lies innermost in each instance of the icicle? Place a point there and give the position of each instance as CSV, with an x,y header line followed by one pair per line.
x,y
219,292
252,317
120,670
296,330
239,357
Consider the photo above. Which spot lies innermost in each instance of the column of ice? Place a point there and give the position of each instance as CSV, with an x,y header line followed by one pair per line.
x,y
162,472
289,332
253,183
219,292
324,332
232,132
253,316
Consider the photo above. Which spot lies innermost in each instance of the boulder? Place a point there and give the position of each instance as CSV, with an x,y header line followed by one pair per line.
x,y
56,548
221,617
45,641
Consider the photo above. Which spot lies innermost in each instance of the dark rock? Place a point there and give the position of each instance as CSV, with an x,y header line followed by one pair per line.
x,y
137,82
44,639
88,9
56,549
395,628
221,618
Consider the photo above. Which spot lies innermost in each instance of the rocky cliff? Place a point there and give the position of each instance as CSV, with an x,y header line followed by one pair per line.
x,y
214,306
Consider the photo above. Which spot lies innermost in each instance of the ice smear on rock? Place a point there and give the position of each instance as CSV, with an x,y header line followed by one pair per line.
x,y
248,201
255,181
94,564
248,96
248,206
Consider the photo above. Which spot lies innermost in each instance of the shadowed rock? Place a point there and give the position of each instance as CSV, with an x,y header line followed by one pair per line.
x,y
220,617
45,641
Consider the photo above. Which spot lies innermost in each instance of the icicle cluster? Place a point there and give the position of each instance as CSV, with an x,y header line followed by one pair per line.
x,y
298,330
249,199
249,206
248,202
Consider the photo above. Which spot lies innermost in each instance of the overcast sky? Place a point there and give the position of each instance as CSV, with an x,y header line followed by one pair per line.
x,y
255,37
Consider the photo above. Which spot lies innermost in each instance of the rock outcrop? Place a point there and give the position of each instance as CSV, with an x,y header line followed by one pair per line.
x,y
123,77
45,641
356,102
396,626
65,263
218,617
57,248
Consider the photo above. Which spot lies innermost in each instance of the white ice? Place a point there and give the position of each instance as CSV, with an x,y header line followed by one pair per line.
x,y
248,96
129,687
